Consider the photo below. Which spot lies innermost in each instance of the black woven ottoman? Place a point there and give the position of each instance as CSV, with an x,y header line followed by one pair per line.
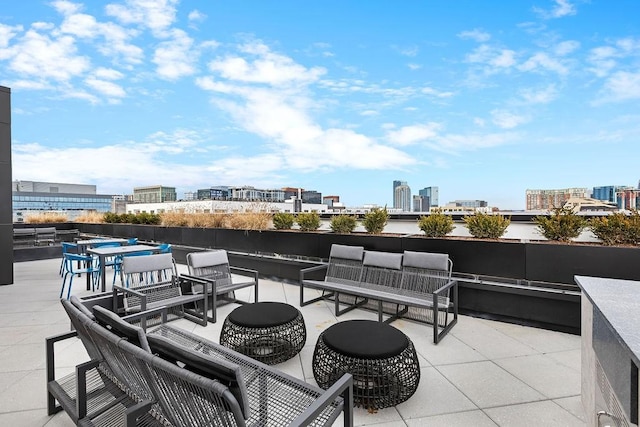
x,y
382,360
270,332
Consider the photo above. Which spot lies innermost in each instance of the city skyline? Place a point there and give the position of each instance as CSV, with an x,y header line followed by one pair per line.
x,y
482,100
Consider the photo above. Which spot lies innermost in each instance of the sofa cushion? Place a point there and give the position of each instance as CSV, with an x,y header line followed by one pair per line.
x,y
206,365
346,252
426,260
111,321
382,259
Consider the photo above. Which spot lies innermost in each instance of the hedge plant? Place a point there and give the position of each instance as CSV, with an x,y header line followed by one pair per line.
x,y
375,220
617,229
308,221
343,224
283,220
436,224
486,226
562,224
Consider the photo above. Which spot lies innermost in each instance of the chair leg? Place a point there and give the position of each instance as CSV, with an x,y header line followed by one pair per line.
x,y
69,288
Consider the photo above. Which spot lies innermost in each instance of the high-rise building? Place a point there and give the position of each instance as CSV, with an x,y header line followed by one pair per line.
x,y
550,199
402,198
432,194
608,193
421,203
396,184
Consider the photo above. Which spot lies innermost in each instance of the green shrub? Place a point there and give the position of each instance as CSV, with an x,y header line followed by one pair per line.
x,y
308,221
561,225
436,224
125,218
343,224
486,226
375,220
617,229
283,220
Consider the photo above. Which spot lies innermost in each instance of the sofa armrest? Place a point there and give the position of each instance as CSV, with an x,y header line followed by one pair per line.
x,y
342,387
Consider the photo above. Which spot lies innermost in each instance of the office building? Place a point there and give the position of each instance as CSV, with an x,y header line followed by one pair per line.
x,y
432,194
219,192
402,198
628,199
69,199
154,194
472,204
421,203
550,199
608,193
396,184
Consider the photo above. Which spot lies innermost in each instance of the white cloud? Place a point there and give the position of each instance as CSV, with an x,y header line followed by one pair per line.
x,y
107,88
40,56
370,113
175,58
437,93
603,60
621,86
541,61
266,94
264,67
409,135
6,34
475,34
561,8
507,120
494,57
539,96
157,15
408,51
414,66
196,16
566,47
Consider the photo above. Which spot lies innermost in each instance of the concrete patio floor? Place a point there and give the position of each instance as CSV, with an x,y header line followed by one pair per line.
x,y
484,373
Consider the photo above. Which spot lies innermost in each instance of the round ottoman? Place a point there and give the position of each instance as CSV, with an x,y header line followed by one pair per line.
x,y
270,332
382,360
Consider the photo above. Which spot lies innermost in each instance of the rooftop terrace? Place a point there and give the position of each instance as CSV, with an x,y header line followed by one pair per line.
x,y
483,373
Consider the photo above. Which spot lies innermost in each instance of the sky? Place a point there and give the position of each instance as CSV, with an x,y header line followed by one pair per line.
x,y
483,99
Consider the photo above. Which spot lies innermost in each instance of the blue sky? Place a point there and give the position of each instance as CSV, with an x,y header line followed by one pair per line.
x,y
483,99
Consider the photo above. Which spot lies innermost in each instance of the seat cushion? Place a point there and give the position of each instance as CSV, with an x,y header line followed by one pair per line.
x,y
365,339
205,365
111,321
263,314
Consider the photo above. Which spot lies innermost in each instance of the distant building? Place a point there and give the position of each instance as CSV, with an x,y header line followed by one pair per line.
x,y
214,193
608,193
432,194
69,199
307,196
402,198
330,200
421,203
397,184
190,195
550,199
469,203
629,199
580,204
154,194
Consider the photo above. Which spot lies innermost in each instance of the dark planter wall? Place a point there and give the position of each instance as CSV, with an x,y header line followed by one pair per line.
x,y
546,262
560,263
